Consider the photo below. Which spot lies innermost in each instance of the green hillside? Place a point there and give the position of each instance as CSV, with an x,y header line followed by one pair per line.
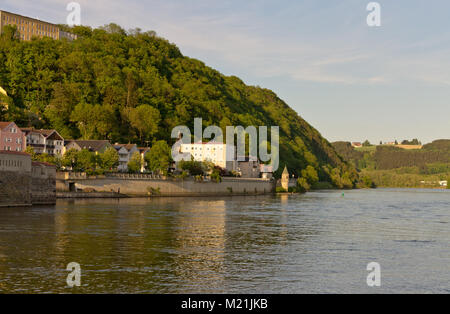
x,y
390,166
135,87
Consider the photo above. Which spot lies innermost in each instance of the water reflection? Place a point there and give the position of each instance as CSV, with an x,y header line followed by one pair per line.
x,y
319,242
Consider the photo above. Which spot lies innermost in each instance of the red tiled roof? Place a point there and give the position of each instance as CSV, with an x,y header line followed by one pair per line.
x,y
4,124
43,163
45,133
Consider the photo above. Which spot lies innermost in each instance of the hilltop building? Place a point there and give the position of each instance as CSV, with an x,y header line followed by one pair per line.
x,y
29,27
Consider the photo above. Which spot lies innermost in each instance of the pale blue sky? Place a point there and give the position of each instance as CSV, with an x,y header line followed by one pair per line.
x,y
350,81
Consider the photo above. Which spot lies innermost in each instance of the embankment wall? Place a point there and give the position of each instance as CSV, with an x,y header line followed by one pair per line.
x,y
170,187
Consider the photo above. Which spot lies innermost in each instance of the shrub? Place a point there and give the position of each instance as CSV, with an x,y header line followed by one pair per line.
x,y
280,189
215,176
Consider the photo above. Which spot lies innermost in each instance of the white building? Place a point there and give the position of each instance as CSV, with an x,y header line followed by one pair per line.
x,y
220,154
123,158
44,141
125,152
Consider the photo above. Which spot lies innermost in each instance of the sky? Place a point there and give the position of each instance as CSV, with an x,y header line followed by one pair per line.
x,y
352,82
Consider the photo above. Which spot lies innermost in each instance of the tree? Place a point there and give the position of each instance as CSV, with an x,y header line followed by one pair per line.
x,y
109,159
30,151
10,33
159,157
135,163
145,120
366,143
84,115
303,185
86,161
310,175
195,168
412,142
93,88
70,158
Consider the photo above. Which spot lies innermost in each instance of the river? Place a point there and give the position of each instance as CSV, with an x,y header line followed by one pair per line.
x,y
320,242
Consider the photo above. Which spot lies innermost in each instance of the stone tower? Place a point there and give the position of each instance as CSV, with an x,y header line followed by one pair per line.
x,y
285,179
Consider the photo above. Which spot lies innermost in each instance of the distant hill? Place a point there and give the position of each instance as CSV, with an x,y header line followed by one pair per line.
x,y
91,88
386,157
396,167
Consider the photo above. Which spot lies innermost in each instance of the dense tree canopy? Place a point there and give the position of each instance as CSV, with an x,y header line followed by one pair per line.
x,y
135,87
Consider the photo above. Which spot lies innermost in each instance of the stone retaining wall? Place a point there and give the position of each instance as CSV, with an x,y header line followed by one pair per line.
x,y
168,187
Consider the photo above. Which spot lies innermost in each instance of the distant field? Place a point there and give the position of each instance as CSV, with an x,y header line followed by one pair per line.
x,y
373,148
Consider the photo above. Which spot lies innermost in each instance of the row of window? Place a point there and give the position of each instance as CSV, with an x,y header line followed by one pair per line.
x,y
34,141
28,37
39,26
10,140
10,163
8,148
201,148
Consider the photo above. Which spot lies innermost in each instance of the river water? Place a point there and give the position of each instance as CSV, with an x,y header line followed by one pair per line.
x,y
320,242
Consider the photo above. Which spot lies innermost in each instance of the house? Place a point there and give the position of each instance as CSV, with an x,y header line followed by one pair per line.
x,y
248,167
28,27
96,146
45,141
220,154
357,144
11,137
125,151
266,171
443,183
131,148
124,158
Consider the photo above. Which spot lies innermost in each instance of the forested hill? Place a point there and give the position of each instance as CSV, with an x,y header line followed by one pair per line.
x,y
135,87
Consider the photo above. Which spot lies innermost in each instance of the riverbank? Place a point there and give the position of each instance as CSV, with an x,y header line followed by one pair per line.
x,y
129,185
